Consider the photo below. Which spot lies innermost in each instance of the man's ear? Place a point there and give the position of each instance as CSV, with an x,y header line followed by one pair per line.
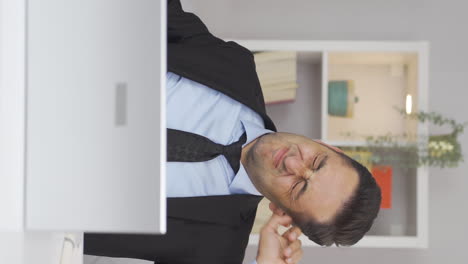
x,y
276,210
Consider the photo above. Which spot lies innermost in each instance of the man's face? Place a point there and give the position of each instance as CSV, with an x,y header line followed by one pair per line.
x,y
300,175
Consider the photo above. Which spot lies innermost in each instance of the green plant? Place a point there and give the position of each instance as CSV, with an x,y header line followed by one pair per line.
x,y
412,151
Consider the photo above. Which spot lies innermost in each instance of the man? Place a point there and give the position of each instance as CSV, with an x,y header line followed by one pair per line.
x,y
214,92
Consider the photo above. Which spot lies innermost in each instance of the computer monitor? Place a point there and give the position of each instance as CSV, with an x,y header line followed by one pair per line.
x,y
95,115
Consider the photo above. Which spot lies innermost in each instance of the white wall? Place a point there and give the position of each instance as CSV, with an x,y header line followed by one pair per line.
x,y
440,23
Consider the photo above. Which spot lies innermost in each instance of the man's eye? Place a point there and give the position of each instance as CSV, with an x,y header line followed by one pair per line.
x,y
319,163
301,190
295,185
315,168
314,162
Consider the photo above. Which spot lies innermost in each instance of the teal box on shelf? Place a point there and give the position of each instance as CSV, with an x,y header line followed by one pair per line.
x,y
338,98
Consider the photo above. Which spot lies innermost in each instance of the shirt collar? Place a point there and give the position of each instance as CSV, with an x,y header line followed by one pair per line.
x,y
253,131
241,181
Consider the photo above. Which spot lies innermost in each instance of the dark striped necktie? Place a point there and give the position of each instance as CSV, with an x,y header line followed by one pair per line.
x,y
190,147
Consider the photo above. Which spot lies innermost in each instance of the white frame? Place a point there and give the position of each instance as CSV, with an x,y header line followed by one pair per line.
x,y
12,113
324,47
13,95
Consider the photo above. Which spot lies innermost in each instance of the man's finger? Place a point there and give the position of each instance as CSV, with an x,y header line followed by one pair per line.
x,y
295,257
293,248
292,233
277,220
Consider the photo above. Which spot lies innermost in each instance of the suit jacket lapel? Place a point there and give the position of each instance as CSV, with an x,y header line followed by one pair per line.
x,y
229,210
194,53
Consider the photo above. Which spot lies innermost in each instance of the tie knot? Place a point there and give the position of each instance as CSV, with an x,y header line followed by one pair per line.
x,y
231,149
189,147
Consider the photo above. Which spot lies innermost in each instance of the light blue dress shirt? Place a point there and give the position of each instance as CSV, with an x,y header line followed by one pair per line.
x,y
195,108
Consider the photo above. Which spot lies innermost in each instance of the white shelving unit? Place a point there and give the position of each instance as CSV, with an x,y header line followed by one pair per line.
x,y
406,224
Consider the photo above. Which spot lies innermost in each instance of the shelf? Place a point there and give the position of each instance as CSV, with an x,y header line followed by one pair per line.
x,y
383,72
380,81
308,99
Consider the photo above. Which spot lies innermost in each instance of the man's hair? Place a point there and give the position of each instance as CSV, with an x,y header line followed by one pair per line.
x,y
355,217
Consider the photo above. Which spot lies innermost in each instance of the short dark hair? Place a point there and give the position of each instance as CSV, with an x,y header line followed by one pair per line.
x,y
355,217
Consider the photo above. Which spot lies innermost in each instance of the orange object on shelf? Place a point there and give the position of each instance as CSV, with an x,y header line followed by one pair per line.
x,y
383,177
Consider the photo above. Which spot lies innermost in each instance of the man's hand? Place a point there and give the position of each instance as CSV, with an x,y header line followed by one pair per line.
x,y
275,248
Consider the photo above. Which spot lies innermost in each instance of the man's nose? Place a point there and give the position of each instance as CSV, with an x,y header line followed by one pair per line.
x,y
294,164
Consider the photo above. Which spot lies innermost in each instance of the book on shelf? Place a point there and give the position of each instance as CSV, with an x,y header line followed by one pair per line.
x,y
267,56
362,156
279,86
383,177
279,96
381,173
276,72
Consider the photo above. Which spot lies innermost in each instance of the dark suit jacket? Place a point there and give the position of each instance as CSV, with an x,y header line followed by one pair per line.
x,y
212,229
